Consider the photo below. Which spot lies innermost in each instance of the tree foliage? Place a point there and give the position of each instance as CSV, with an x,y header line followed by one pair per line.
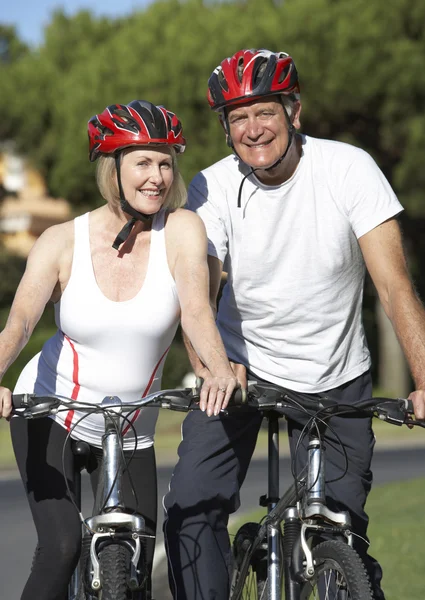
x,y
11,47
361,66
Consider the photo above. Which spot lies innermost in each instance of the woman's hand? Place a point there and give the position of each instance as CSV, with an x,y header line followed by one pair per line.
x,y
5,402
216,393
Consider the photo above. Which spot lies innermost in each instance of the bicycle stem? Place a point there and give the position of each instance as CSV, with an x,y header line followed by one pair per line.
x,y
112,495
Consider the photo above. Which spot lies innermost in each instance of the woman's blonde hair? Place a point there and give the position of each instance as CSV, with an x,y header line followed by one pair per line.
x,y
106,179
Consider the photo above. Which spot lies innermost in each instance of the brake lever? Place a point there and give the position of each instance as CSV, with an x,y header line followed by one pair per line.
x,y
181,402
393,413
415,422
30,406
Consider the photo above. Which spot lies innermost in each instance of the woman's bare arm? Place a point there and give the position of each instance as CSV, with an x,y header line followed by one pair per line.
x,y
34,291
190,270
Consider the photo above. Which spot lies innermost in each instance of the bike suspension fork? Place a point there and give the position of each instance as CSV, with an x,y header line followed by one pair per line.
x,y
291,534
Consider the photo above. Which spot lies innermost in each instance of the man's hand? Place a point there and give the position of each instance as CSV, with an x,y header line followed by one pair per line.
x,y
418,399
240,374
5,403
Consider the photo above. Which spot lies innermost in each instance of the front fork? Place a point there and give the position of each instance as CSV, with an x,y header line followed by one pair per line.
x,y
311,516
109,515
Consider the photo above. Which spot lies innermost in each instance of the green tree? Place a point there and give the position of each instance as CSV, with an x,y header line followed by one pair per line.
x,y
361,65
11,47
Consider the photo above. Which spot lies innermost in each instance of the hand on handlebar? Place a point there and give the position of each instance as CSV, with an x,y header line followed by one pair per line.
x,y
418,399
216,393
5,403
240,374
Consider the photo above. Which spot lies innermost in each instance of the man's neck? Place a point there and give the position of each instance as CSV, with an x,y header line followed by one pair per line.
x,y
286,168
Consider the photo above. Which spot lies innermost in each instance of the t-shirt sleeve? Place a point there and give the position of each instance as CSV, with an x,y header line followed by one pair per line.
x,y
203,198
368,197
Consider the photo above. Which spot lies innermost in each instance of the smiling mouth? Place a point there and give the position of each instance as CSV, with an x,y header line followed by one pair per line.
x,y
259,146
151,193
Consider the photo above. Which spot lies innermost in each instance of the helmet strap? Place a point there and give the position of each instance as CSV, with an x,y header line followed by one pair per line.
x,y
127,208
251,171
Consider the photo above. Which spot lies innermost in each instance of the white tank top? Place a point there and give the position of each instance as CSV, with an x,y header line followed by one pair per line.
x,y
106,348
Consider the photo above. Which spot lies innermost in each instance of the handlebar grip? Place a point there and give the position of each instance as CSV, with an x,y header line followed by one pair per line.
x,y
239,396
21,400
34,406
408,406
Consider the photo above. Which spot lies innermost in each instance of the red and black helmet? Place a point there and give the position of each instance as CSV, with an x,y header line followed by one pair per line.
x,y
252,74
138,123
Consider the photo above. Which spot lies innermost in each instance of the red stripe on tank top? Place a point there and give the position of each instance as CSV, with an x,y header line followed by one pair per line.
x,y
76,389
145,393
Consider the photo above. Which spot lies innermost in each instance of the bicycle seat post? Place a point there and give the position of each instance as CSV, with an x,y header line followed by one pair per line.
x,y
273,459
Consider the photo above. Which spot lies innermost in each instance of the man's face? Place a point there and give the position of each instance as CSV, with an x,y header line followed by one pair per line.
x,y
259,131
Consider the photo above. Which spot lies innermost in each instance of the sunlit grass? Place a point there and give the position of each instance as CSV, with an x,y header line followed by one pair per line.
x,y
397,533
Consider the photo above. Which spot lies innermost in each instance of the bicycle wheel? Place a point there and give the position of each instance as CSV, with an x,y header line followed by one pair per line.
x,y
249,576
339,574
114,561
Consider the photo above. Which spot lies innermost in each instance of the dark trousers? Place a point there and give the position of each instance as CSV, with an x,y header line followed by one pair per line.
x,y
213,460
38,446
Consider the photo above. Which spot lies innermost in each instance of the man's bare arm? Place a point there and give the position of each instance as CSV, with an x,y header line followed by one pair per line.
x,y
382,249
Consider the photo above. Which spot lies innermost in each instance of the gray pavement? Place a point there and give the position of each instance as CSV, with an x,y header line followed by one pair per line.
x,y
18,535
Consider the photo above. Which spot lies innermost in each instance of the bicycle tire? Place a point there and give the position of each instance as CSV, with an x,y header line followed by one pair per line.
x,y
339,573
114,561
335,563
249,574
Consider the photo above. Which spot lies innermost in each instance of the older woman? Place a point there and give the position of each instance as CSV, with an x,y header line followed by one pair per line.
x,y
121,277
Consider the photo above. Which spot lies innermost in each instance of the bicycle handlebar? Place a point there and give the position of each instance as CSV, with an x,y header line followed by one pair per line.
x,y
260,396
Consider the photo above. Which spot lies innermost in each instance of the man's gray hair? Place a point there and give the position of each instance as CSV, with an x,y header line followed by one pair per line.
x,y
288,102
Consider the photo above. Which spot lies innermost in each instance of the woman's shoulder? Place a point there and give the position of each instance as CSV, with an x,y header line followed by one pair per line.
x,y
183,217
56,237
184,229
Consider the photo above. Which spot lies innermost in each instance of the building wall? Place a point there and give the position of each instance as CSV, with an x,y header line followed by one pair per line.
x,y
26,210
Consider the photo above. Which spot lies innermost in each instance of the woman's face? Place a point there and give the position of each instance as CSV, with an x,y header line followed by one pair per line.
x,y
146,177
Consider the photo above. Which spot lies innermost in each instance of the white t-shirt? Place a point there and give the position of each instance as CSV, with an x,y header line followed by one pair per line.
x,y
291,310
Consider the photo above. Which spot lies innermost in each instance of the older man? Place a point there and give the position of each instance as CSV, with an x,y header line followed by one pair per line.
x,y
294,220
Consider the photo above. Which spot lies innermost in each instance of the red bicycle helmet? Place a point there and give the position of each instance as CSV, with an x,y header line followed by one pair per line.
x,y
138,123
251,74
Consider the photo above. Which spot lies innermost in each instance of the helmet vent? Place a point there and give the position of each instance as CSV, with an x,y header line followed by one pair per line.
x,y
260,67
239,68
127,120
284,74
104,130
222,81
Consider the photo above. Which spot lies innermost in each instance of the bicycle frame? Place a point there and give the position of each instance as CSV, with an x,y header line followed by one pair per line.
x,y
104,524
302,508
300,517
